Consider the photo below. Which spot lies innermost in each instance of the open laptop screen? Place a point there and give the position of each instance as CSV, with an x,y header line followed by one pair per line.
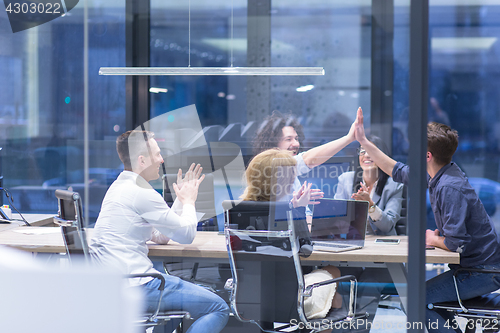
x,y
340,220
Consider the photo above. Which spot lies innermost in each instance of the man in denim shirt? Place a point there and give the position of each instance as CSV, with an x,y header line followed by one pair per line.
x,y
463,225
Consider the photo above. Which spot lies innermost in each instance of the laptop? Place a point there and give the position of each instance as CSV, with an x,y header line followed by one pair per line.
x,y
339,225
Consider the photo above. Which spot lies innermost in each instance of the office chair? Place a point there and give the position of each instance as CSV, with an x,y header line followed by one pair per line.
x,y
266,288
483,310
70,219
401,224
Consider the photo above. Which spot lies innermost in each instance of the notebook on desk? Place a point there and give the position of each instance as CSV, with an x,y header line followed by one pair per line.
x,y
339,225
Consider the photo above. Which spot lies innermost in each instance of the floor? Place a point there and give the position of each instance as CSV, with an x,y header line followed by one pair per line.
x,y
389,318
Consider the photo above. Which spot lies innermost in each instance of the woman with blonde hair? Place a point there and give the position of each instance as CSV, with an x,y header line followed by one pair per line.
x,y
270,177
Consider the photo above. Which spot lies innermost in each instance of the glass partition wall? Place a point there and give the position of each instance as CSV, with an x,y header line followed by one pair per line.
x,y
364,47
42,106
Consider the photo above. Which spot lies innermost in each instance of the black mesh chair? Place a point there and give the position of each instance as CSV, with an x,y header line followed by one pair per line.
x,y
482,310
70,219
267,286
402,223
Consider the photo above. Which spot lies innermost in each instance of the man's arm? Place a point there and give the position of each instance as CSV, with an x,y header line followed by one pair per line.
x,y
454,211
319,155
433,238
180,228
159,238
382,160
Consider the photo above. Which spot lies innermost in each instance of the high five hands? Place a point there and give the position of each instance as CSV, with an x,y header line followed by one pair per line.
x,y
358,127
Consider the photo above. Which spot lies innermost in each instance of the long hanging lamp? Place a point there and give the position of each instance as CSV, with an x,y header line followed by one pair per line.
x,y
211,70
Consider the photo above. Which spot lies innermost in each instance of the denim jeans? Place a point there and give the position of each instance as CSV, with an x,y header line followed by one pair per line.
x,y
442,289
209,310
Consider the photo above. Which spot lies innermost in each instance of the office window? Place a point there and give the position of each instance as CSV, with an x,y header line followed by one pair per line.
x,y
463,90
42,108
331,35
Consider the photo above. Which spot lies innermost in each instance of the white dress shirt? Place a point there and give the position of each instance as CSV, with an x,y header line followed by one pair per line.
x,y
132,213
302,169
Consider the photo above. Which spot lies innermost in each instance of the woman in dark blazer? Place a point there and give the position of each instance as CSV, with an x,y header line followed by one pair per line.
x,y
369,183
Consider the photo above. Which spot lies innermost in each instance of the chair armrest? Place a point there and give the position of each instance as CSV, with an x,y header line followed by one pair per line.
x,y
62,222
461,269
153,275
309,288
160,288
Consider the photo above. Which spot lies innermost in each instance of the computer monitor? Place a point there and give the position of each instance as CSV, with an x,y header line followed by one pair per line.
x,y
325,176
249,215
340,220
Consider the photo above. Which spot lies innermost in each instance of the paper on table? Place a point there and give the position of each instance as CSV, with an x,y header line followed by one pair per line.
x,y
38,231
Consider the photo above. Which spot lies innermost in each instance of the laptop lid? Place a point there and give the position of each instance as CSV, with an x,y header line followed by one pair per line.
x,y
340,221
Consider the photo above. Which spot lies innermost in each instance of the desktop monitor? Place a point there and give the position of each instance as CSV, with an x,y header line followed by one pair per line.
x,y
340,220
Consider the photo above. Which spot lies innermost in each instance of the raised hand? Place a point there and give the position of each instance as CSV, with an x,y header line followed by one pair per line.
x,y
187,189
351,135
316,194
305,196
359,129
192,170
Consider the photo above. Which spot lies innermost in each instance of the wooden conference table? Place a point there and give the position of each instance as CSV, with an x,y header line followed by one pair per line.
x,y
210,247
33,220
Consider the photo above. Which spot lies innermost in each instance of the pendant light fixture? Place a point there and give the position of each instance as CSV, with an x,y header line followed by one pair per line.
x,y
211,70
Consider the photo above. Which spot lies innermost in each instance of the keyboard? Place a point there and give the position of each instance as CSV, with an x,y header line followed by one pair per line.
x,y
334,247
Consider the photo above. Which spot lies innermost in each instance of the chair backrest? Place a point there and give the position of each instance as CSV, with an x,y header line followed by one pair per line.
x,y
204,204
264,256
70,218
247,235
401,224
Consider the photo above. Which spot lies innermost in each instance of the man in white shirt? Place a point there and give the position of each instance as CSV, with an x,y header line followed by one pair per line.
x,y
133,212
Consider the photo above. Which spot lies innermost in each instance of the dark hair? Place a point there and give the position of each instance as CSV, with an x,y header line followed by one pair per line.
x,y
132,141
270,131
382,176
442,142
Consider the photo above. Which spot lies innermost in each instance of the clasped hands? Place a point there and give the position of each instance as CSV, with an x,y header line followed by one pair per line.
x,y
363,194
